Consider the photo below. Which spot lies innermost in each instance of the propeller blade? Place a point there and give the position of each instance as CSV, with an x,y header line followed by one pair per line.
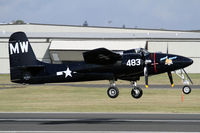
x,y
167,48
171,79
188,76
146,46
146,76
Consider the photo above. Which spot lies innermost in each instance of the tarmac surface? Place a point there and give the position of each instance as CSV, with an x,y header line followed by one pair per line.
x,y
99,122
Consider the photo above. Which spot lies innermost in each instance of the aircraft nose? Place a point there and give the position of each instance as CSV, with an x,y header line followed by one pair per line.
x,y
186,61
189,61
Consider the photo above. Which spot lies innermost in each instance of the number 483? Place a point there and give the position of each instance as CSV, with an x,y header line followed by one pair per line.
x,y
133,62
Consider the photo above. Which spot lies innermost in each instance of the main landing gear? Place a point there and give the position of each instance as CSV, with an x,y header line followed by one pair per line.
x,y
136,91
113,91
186,81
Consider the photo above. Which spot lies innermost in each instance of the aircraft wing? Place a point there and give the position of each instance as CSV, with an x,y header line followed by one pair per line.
x,y
101,56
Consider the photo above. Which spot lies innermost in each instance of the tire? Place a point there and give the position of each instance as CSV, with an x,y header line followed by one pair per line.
x,y
113,92
186,89
136,92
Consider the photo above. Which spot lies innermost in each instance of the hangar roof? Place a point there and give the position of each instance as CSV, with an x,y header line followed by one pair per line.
x,y
93,44
68,31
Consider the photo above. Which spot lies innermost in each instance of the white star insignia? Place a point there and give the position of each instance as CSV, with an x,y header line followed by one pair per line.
x,y
68,72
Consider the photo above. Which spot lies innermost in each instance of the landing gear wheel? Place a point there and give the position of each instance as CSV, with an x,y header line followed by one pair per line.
x,y
136,92
186,89
113,92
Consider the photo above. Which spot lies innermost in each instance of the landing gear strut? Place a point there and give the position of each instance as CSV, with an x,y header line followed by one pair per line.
x,y
112,91
186,81
136,92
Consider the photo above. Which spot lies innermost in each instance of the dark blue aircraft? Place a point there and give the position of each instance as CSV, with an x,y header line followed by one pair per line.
x,y
98,64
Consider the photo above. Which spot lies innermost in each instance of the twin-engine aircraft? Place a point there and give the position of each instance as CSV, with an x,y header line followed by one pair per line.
x,y
98,64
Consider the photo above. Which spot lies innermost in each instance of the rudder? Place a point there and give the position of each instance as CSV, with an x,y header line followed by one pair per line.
x,y
20,53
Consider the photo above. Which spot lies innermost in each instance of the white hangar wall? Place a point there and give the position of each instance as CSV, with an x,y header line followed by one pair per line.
x,y
39,47
179,42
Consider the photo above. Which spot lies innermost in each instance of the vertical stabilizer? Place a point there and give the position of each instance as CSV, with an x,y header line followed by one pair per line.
x,y
20,53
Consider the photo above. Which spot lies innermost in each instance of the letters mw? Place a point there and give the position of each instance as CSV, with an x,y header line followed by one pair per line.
x,y
15,49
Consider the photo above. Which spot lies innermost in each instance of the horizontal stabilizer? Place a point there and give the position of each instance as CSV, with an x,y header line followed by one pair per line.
x,y
33,68
101,56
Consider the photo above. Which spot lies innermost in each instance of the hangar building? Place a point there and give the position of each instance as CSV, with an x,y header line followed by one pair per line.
x,y
59,43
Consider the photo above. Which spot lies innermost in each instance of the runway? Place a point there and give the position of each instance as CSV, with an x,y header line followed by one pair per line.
x,y
99,122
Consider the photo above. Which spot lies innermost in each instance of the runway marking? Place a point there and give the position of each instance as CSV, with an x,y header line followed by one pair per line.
x,y
90,132
97,120
114,113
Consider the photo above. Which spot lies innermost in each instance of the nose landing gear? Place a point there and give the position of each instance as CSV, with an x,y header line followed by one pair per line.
x,y
186,89
186,81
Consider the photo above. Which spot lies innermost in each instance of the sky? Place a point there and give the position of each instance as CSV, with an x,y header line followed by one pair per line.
x,y
151,14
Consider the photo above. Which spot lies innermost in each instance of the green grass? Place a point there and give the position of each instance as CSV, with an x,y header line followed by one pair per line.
x,y
77,99
28,98
163,79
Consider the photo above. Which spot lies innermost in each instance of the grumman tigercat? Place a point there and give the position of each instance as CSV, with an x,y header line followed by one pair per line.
x,y
98,64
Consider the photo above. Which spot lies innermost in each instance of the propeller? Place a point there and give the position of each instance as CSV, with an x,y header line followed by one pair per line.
x,y
146,61
170,78
146,75
167,48
170,73
146,45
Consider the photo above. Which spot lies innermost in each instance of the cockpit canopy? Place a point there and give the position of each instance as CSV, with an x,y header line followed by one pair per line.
x,y
137,51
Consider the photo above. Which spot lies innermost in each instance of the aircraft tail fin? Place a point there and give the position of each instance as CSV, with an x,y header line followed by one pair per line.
x,y
21,54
